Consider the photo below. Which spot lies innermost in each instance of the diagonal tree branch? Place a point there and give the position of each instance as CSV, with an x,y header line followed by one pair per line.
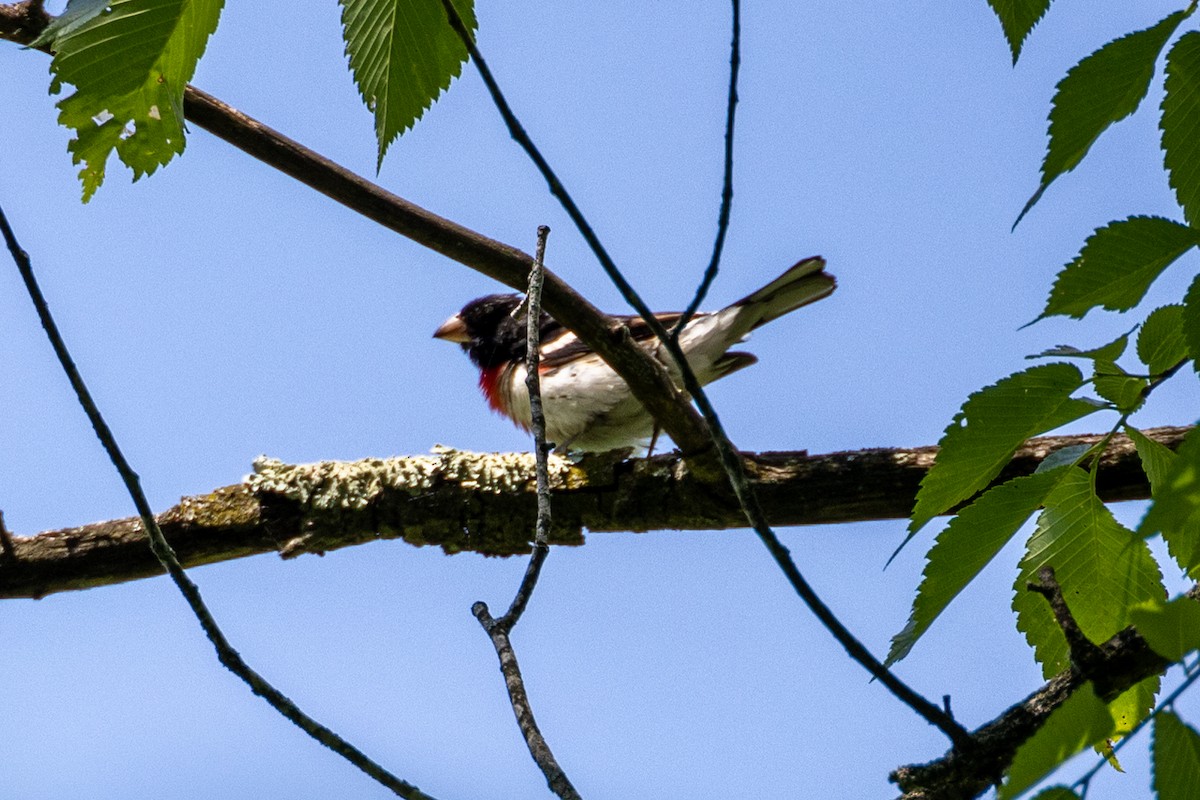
x,y
647,378
450,505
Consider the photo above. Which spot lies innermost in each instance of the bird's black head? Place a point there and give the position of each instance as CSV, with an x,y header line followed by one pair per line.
x,y
488,331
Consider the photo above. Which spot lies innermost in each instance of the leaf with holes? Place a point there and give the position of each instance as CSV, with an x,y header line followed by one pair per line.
x,y
129,61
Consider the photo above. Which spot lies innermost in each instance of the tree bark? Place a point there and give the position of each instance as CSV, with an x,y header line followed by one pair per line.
x,y
487,504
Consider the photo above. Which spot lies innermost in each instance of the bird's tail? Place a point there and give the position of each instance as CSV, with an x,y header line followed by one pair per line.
x,y
804,283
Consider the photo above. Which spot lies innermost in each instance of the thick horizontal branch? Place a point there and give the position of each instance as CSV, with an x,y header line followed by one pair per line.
x,y
487,504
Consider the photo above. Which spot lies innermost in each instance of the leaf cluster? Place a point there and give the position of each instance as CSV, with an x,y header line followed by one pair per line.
x,y
1105,570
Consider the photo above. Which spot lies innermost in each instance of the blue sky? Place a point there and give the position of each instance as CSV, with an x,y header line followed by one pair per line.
x,y
220,310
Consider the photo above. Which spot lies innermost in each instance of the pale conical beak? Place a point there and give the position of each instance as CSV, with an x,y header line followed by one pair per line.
x,y
453,330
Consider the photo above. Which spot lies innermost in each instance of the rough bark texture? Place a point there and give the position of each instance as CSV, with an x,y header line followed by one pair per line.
x,y
602,493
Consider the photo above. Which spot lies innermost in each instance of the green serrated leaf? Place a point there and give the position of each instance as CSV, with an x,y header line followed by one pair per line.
x,y
965,546
1190,319
1082,721
992,424
403,54
1103,88
1118,387
1157,459
1117,265
1160,343
1129,709
1175,511
129,61
1103,567
1181,123
1171,629
1105,352
1056,793
1176,759
1017,18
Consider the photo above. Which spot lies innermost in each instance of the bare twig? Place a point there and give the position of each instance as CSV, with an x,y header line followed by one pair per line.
x,y
533,384
6,542
1085,654
23,22
227,655
499,629
714,264
557,779
728,457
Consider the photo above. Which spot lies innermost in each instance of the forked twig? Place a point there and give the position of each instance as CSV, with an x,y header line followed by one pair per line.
x,y
498,629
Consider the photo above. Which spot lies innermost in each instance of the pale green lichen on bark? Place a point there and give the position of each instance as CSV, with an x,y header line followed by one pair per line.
x,y
353,485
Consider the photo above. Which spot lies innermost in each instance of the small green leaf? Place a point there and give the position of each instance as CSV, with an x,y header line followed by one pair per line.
x,y
1171,629
1129,709
1103,88
1105,352
1175,511
965,546
1181,123
992,424
1160,343
1157,459
1104,570
129,61
1062,457
1176,759
1056,793
1082,721
403,54
1117,265
1017,18
1117,387
1190,318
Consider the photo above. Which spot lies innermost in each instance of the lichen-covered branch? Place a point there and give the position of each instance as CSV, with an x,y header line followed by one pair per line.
x,y
486,504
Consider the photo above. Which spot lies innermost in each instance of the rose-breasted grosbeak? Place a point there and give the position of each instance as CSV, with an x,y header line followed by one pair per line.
x,y
587,405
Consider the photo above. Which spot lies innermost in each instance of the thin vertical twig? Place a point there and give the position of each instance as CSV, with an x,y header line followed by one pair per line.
x,y
714,263
6,542
541,449
498,629
226,654
727,455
